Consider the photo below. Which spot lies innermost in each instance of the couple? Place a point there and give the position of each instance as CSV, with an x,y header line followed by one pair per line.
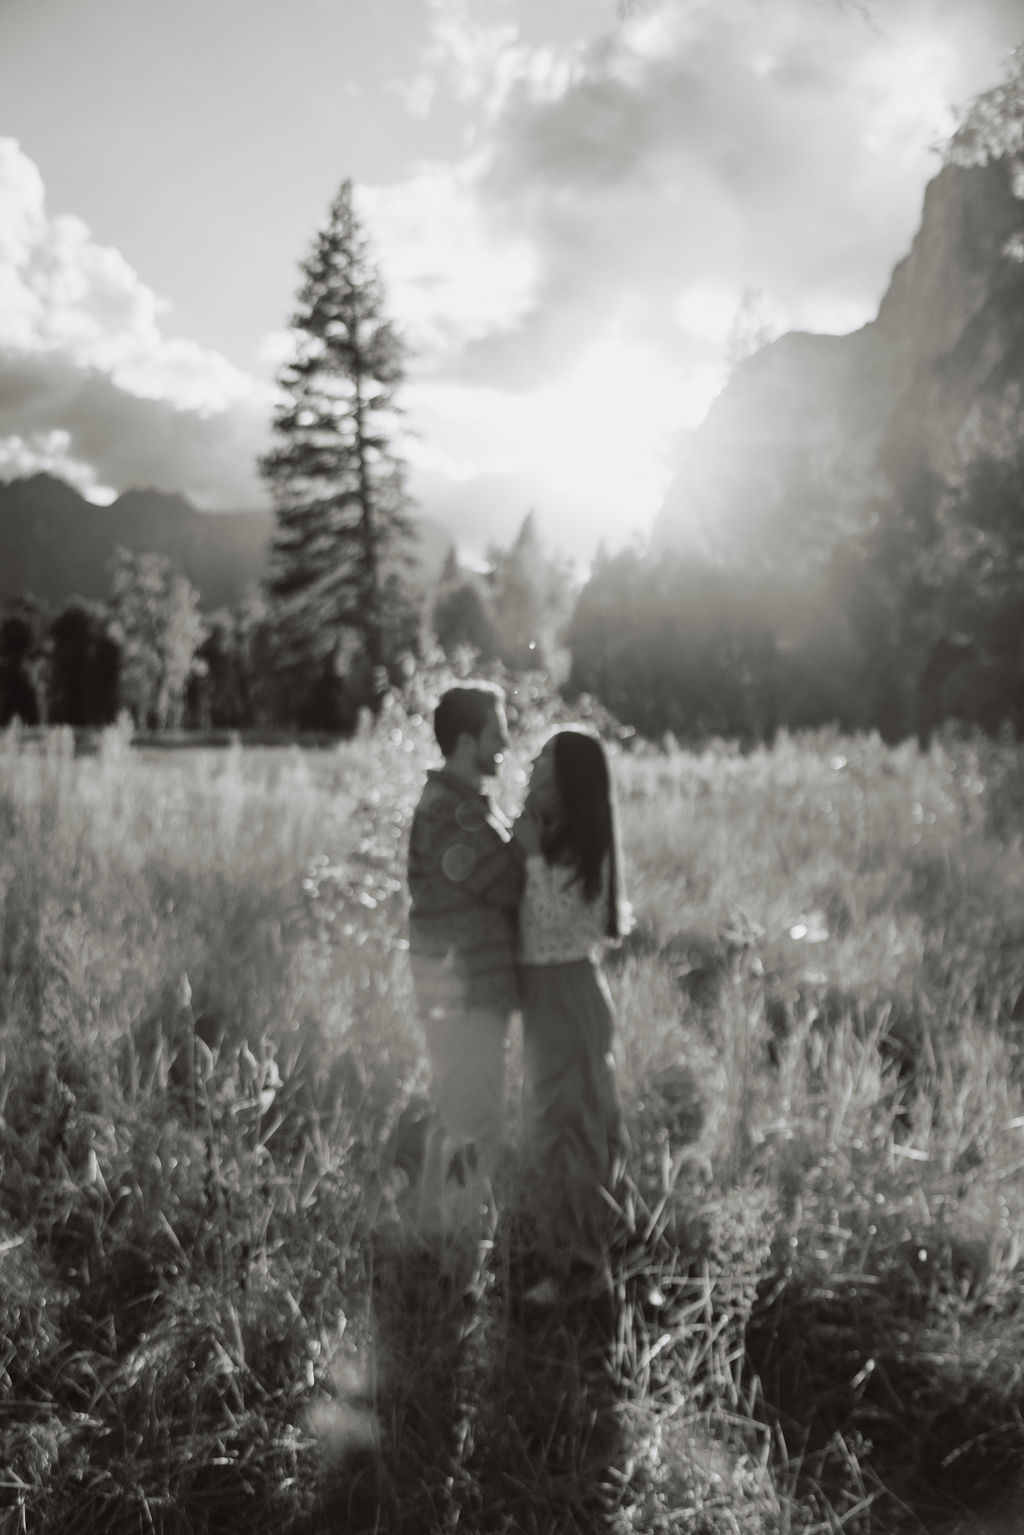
x,y
514,917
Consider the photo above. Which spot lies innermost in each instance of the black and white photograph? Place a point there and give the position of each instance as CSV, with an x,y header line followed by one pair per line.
x,y
512,767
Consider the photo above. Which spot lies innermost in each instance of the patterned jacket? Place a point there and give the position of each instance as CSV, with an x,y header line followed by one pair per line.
x,y
465,881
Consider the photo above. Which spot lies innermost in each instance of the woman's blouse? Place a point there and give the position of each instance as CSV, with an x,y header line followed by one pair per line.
x,y
556,923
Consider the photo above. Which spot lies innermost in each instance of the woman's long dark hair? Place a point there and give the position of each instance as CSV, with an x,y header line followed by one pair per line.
x,y
585,832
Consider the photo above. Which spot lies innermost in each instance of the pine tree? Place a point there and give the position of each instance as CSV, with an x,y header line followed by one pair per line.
x,y
336,477
461,614
531,596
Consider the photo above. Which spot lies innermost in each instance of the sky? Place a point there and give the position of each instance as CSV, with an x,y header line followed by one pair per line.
x,y
580,209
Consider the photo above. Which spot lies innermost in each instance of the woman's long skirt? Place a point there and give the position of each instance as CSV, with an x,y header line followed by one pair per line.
x,y
575,1139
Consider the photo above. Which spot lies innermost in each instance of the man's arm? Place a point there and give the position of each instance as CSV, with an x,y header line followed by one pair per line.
x,y
496,874
473,854
458,846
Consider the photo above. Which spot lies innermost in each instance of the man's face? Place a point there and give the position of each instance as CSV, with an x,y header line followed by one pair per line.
x,y
491,742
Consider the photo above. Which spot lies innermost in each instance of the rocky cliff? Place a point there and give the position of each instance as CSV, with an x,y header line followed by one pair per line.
x,y
813,431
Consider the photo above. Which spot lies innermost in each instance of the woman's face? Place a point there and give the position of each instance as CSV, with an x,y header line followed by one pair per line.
x,y
542,795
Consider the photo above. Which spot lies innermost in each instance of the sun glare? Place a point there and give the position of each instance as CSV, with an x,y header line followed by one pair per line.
x,y
597,442
601,433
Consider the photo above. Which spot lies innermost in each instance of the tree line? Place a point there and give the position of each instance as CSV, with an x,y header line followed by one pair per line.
x,y
899,627
152,652
903,624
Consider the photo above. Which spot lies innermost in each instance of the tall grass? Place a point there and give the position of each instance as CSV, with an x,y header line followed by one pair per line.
x,y
212,1314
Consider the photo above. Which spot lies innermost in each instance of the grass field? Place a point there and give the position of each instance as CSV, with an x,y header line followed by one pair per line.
x,y
211,1315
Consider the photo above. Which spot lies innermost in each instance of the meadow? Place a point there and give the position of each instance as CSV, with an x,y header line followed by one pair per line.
x,y
213,1316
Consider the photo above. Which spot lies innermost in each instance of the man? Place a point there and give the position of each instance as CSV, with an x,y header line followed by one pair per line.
x,y
465,880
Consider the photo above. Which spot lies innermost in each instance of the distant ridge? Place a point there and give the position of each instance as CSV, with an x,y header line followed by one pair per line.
x,y
55,544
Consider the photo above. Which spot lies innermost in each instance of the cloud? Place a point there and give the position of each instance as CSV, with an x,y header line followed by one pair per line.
x,y
567,265
480,64
780,145
626,210
90,385
453,272
79,422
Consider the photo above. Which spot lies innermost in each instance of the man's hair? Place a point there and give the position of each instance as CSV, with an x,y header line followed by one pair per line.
x,y
465,710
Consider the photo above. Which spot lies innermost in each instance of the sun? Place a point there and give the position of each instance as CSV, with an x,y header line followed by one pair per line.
x,y
597,443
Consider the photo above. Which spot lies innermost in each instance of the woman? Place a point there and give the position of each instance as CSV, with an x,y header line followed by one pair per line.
x,y
571,907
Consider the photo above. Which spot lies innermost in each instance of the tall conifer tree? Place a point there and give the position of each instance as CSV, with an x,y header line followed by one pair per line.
x,y
531,597
336,475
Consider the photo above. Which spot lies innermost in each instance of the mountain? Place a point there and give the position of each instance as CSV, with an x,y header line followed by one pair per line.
x,y
56,544
814,430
